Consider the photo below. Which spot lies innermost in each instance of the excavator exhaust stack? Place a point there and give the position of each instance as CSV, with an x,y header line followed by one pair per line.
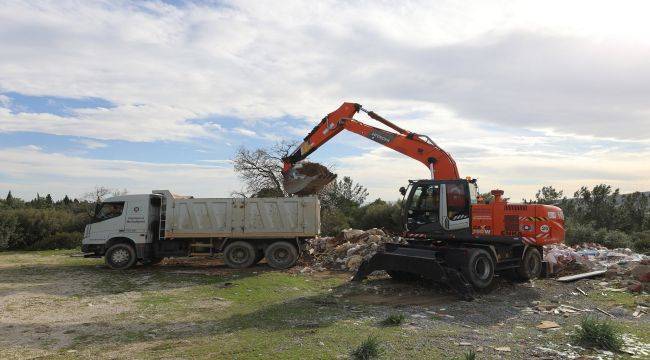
x,y
306,178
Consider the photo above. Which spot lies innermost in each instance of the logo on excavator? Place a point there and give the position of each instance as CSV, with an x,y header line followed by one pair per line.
x,y
381,136
544,228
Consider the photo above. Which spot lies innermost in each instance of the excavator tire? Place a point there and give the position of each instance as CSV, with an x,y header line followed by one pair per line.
x,y
479,271
531,265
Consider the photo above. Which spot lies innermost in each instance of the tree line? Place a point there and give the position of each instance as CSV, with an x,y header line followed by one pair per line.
x,y
43,223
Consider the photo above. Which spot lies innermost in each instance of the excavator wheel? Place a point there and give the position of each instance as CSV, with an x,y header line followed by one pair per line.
x,y
479,271
531,265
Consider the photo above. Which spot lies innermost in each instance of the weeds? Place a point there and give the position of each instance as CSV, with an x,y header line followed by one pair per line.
x,y
471,355
393,320
369,349
598,334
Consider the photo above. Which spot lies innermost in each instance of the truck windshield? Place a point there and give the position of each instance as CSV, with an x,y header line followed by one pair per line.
x,y
109,210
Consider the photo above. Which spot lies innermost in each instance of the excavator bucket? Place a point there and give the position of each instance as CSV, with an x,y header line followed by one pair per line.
x,y
306,178
398,259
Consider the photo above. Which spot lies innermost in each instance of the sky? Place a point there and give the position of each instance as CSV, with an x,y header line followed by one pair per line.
x,y
150,95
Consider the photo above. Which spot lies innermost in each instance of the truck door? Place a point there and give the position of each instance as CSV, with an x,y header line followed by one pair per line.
x,y
108,220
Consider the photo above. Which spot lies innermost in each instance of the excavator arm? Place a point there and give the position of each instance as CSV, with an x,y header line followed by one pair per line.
x,y
419,147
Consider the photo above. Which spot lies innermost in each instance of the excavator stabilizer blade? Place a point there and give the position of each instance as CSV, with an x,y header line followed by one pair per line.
x,y
415,261
306,178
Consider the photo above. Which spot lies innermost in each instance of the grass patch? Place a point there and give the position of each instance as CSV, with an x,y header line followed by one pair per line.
x,y
471,355
369,349
598,334
393,320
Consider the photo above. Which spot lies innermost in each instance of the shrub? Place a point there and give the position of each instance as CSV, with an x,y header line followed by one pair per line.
x,y
369,349
60,240
598,334
393,320
641,242
579,233
616,239
333,221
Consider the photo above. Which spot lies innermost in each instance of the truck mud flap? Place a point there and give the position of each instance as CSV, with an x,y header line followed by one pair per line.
x,y
416,261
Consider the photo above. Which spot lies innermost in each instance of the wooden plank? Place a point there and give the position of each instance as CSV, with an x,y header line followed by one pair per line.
x,y
581,276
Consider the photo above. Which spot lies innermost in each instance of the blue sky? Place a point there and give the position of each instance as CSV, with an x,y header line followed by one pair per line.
x,y
160,94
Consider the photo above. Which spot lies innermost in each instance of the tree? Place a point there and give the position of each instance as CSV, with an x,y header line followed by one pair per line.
x,y
48,200
548,195
9,200
98,194
344,195
66,200
261,169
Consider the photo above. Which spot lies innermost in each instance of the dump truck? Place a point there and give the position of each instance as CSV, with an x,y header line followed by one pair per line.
x,y
453,235
147,228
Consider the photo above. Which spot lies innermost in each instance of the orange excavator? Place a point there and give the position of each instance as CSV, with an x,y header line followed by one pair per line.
x,y
452,235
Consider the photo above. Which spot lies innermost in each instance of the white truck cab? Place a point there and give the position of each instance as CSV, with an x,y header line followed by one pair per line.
x,y
149,227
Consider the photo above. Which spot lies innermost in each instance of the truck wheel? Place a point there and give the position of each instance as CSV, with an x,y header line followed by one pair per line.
x,y
531,265
239,255
281,255
120,256
480,269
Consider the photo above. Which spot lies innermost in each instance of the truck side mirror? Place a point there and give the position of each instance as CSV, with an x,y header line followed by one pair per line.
x,y
402,190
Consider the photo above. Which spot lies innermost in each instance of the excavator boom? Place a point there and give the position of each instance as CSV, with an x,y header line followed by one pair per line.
x,y
310,178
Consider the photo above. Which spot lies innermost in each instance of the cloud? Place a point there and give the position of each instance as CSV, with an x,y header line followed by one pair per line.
x,y
27,170
91,144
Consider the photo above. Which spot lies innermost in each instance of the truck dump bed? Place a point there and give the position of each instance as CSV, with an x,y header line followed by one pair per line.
x,y
187,217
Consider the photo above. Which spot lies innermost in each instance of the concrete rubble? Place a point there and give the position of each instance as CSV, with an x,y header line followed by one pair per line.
x,y
629,269
345,251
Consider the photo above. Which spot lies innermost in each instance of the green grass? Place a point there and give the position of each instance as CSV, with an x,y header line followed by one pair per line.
x,y
470,355
393,319
370,348
599,334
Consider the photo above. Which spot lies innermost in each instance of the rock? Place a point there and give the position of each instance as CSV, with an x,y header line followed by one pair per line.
x,y
375,231
641,272
635,286
503,348
354,262
618,311
544,325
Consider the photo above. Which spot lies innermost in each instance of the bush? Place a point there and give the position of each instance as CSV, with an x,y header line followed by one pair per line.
x,y
598,334
369,349
379,214
393,320
60,240
579,233
616,239
641,242
333,221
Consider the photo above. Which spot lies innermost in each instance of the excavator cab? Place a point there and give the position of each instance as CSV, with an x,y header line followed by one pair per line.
x,y
438,206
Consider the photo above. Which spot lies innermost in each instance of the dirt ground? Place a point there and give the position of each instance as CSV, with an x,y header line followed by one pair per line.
x,y
53,305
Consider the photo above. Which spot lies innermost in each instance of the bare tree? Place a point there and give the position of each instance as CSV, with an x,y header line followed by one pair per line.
x,y
261,169
97,194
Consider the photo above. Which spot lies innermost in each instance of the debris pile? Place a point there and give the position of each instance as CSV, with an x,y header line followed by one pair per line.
x,y
621,264
345,251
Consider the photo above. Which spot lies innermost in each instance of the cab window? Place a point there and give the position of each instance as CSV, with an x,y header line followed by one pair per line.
x,y
456,201
109,210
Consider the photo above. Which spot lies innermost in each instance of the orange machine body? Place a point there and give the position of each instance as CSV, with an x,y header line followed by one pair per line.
x,y
534,224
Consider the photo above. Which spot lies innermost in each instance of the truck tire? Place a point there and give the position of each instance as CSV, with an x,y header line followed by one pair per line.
x,y
120,256
480,269
531,265
281,255
239,255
